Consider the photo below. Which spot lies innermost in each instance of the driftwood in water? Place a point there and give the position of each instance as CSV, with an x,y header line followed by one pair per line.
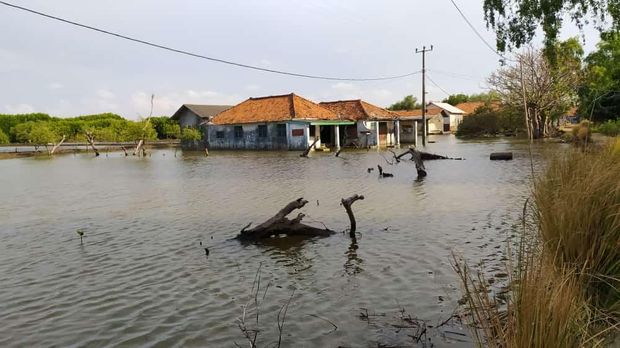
x,y
125,150
425,156
57,145
383,174
307,151
206,151
338,152
91,140
280,224
137,150
346,203
501,156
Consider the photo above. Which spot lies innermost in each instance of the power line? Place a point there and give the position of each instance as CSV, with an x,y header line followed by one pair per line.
x,y
477,32
436,85
196,55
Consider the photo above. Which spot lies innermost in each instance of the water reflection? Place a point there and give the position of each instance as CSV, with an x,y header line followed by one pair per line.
x,y
353,265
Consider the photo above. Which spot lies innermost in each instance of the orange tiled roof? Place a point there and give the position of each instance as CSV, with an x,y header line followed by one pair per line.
x,y
358,110
274,109
470,107
430,111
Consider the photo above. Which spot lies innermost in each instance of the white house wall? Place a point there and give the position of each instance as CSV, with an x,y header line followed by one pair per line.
x,y
252,141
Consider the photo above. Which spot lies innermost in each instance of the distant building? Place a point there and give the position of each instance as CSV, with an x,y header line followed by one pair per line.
x,y
193,115
374,126
282,122
452,116
410,120
471,107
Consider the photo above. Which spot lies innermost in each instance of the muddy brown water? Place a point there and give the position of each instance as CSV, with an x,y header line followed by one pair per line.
x,y
141,279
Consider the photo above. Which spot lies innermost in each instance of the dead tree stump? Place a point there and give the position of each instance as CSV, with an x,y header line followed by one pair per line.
x,y
280,224
346,203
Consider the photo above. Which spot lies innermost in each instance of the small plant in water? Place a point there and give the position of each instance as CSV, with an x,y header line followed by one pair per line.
x,y
80,233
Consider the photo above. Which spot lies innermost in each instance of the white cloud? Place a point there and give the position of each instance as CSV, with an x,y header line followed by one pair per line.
x,y
105,94
349,90
56,85
252,87
19,109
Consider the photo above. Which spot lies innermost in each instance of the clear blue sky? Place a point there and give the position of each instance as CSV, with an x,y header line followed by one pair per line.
x,y
51,67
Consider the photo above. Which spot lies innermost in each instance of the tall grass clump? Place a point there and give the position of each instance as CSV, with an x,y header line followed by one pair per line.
x,y
565,271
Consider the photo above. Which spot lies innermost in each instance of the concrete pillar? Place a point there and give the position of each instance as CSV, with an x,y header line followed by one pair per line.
x,y
337,135
377,134
397,132
317,135
415,133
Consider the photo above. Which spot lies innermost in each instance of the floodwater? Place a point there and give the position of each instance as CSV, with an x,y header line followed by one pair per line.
x,y
142,279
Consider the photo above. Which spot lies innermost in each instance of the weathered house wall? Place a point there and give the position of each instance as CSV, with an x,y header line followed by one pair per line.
x,y
259,136
189,119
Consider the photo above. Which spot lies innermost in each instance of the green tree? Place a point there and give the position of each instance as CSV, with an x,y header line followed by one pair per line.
x,y
408,103
600,94
172,131
516,21
191,134
4,139
456,99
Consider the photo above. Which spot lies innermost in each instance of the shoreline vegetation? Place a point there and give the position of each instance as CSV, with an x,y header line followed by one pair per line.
x,y
565,268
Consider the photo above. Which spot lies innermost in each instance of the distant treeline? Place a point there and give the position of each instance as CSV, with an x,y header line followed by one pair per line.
x,y
41,128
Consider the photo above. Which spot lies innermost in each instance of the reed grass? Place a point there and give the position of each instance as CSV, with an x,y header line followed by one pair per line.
x,y
565,271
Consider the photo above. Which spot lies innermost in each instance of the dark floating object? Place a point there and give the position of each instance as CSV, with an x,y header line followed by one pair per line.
x,y
81,234
501,156
382,174
317,202
370,169
207,251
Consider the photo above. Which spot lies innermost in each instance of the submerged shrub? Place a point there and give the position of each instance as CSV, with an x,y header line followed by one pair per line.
x,y
4,139
191,134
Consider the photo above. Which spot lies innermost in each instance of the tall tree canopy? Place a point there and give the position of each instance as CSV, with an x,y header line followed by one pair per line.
x,y
516,21
408,103
600,94
548,90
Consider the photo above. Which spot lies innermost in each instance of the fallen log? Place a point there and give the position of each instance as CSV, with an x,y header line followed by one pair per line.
x,y
307,151
346,203
425,156
501,156
280,224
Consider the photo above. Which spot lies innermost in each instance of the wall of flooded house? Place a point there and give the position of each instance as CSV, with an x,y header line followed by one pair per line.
x,y
189,119
363,136
258,136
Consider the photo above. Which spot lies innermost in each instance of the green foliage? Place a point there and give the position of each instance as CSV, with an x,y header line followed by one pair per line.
x,y
484,121
456,99
36,133
516,21
600,94
489,120
4,139
610,128
191,134
9,121
408,103
166,128
35,128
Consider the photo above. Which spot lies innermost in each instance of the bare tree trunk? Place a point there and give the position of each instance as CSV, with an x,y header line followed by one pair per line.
x,y
137,150
124,150
307,151
346,203
57,145
91,140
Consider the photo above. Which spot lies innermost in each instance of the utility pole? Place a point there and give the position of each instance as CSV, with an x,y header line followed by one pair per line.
x,y
424,126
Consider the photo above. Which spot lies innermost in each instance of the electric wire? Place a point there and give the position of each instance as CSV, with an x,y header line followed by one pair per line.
x,y
196,55
436,85
478,33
